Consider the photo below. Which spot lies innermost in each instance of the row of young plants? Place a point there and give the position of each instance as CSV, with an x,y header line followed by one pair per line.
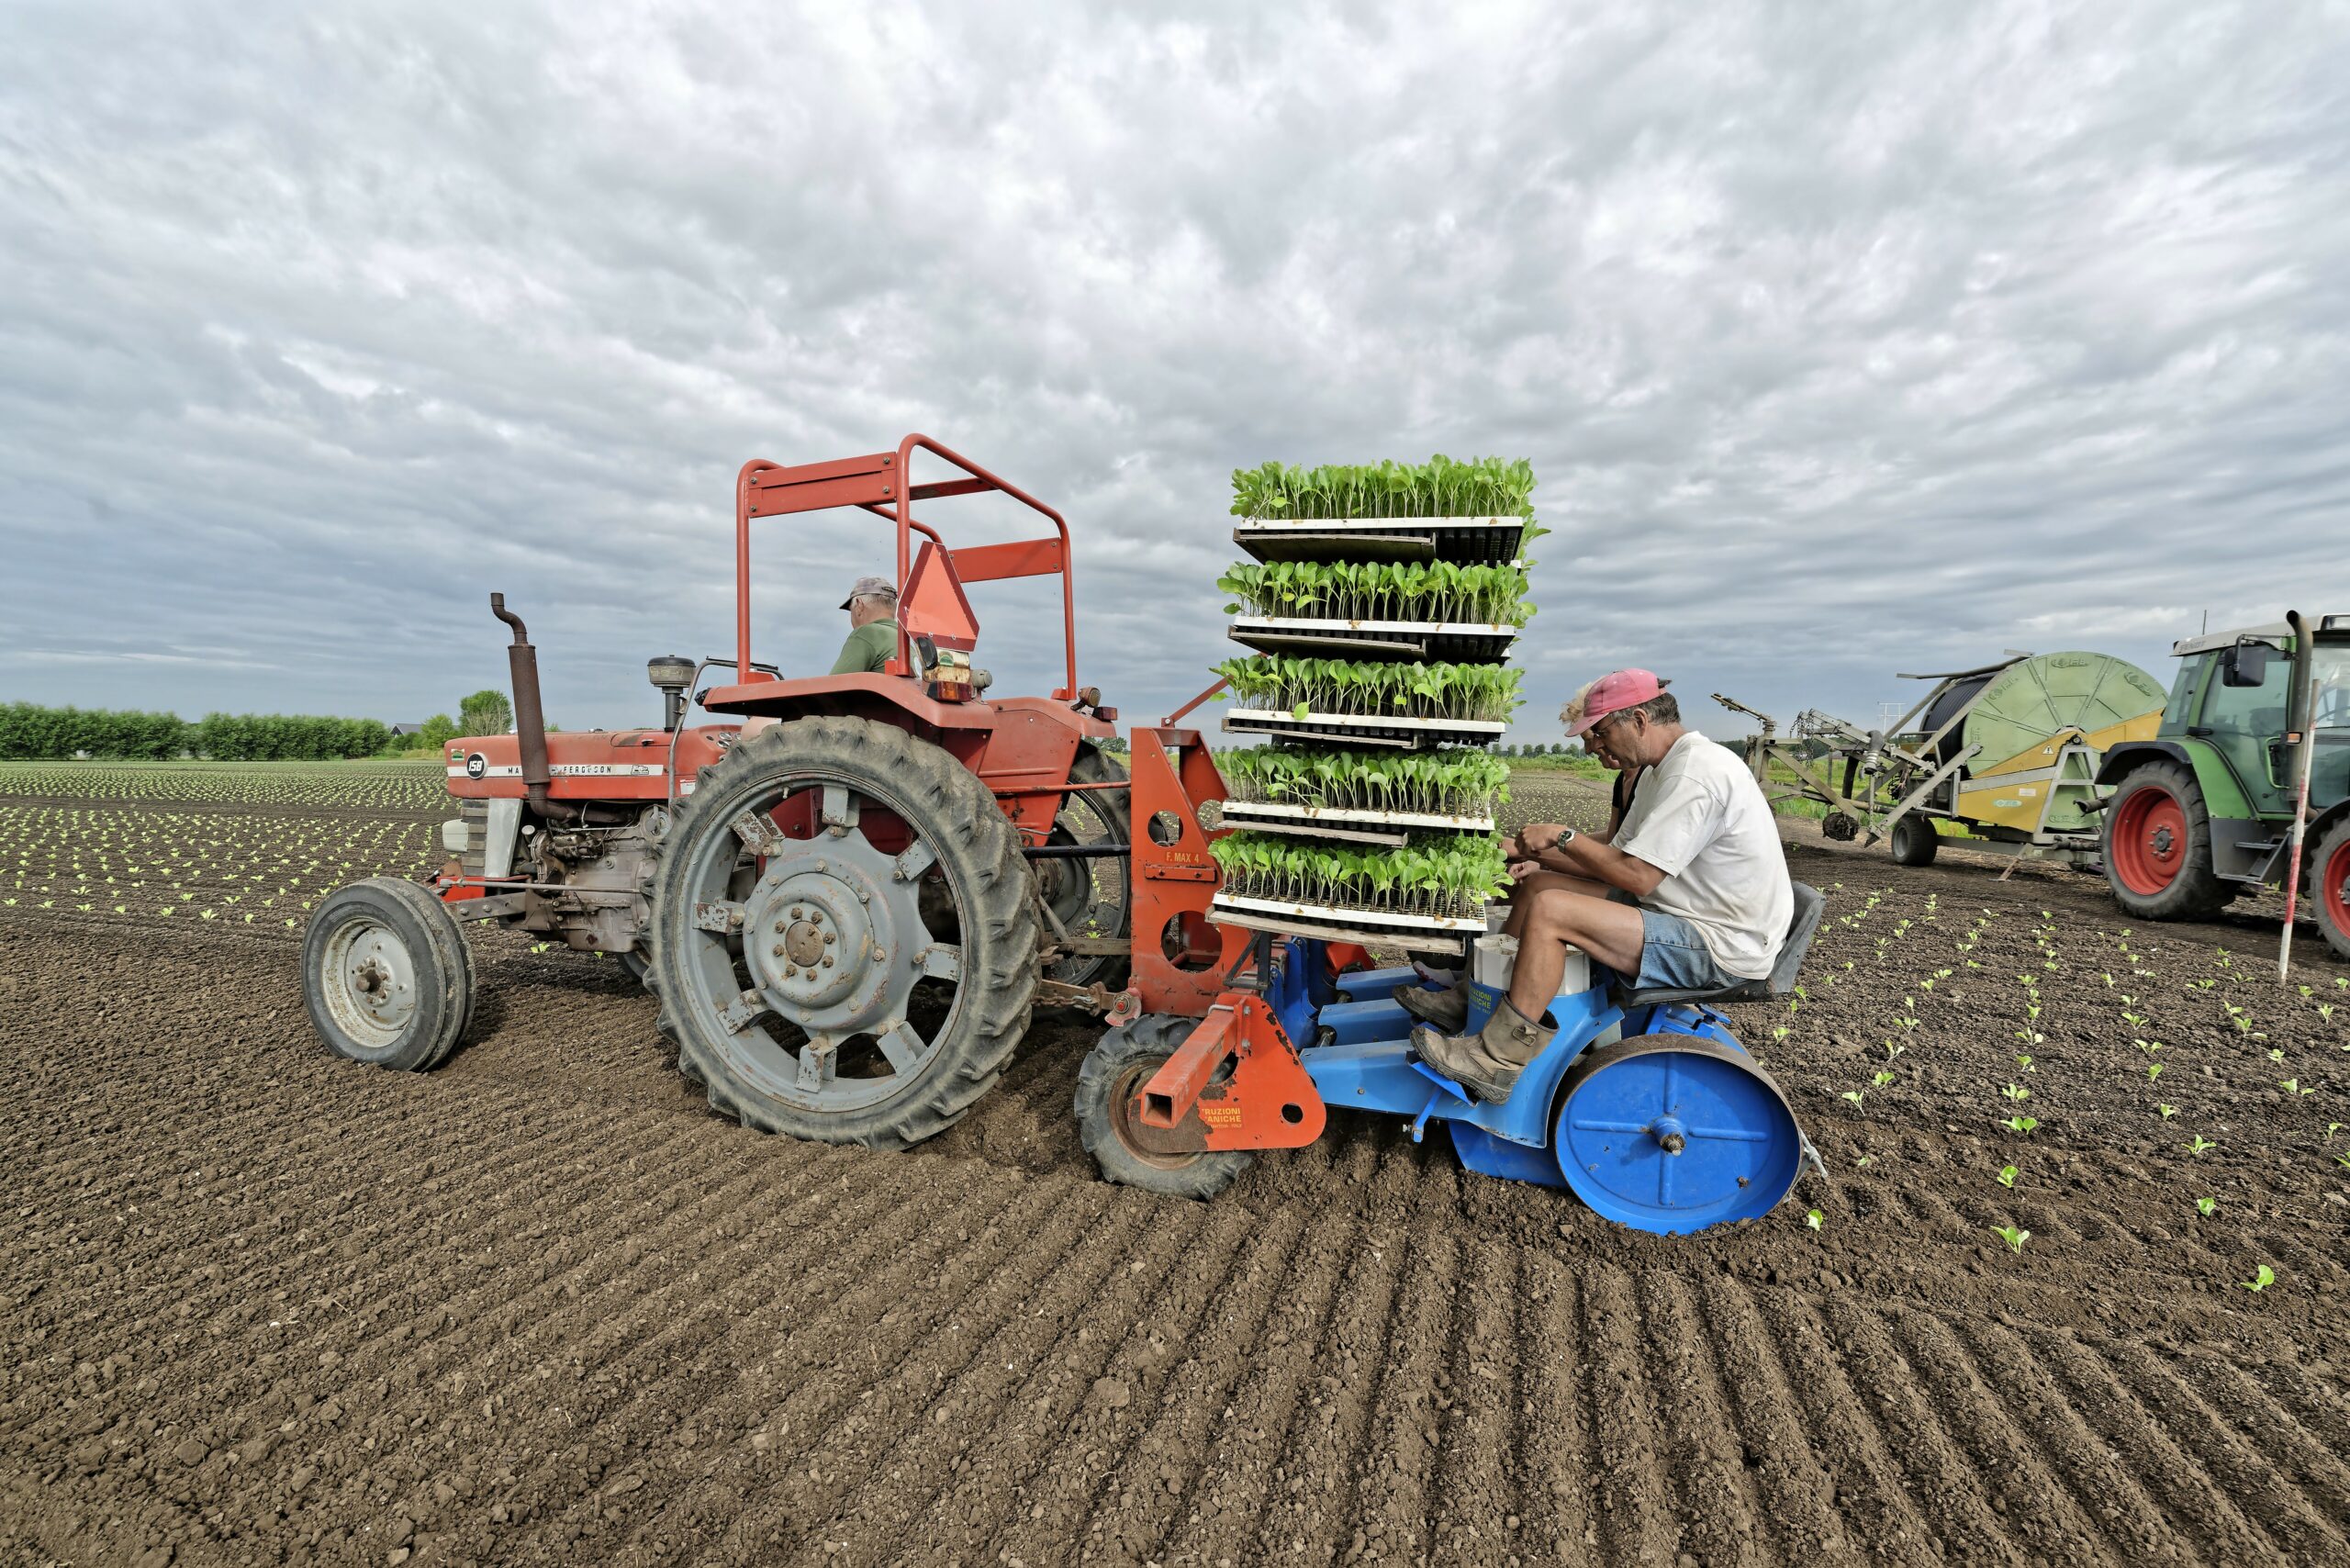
x,y
1484,486
1434,876
1455,782
1380,590
1359,688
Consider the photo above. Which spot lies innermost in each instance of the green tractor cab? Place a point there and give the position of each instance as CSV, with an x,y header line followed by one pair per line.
x,y
2204,810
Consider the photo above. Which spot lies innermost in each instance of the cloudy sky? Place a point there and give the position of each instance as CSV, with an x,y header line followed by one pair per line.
x,y
1845,340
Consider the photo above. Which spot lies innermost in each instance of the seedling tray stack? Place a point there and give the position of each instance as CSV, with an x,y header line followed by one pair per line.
x,y
1380,611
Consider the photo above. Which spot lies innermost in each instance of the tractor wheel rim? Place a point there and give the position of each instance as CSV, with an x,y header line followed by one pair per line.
x,y
2335,887
814,976
1123,1093
367,977
2150,841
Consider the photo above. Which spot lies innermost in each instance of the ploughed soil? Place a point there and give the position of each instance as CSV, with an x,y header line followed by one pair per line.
x,y
259,1305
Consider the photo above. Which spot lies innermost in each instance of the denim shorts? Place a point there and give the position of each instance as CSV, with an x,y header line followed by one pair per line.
x,y
1674,957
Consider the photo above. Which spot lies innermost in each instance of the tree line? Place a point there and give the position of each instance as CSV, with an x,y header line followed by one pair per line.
x,y
31,733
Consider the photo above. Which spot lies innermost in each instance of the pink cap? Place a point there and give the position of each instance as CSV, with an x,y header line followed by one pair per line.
x,y
1614,693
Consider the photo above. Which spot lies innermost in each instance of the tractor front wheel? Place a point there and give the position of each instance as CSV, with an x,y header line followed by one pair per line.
x,y
1108,1083
387,976
2331,867
844,933
2157,846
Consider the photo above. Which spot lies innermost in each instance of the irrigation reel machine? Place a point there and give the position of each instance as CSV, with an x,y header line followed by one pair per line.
x,y
850,893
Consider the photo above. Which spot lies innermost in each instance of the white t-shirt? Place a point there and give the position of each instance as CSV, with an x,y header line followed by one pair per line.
x,y
1699,817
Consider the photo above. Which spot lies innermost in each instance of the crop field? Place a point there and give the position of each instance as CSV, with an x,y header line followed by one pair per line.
x,y
2072,1286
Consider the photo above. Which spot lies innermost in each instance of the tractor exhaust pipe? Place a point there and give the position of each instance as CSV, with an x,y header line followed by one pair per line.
x,y
529,718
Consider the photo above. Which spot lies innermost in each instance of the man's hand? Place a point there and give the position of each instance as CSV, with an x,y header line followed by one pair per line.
x,y
1532,841
1521,870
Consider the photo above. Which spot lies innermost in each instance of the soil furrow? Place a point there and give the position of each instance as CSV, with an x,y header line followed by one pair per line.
x,y
1941,1477
1793,1487
929,1354
2233,1462
799,1329
1475,1490
1722,1515
1062,1438
2168,1478
2319,1471
1292,1276
1558,1450
1633,1480
1274,1433
2023,1485
1410,1411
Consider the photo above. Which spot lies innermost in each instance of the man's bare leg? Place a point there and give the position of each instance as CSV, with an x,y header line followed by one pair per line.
x,y
1522,896
1609,932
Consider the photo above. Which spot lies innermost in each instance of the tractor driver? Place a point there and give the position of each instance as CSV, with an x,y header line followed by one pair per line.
x,y
1693,894
872,607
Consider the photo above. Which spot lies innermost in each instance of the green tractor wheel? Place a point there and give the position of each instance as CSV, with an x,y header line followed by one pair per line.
x,y
2157,843
2331,867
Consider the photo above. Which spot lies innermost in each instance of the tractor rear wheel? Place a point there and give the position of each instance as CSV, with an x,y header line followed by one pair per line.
x,y
1915,841
844,934
2157,846
2331,867
387,976
1108,1082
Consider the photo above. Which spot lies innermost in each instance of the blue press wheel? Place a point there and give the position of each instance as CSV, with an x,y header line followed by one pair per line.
x,y
1671,1134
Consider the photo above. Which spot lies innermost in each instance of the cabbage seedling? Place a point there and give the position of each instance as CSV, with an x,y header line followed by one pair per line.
x,y
2014,1237
2205,1206
2262,1278
2007,1177
2201,1143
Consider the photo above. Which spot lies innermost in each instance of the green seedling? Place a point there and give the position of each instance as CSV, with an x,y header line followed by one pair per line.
x,y
2276,1055
2014,1237
1863,1160
2293,1086
2019,1124
2017,1093
1855,1095
2007,1177
1892,1051
2262,1278
1815,1219
2205,1206
2201,1143
1883,1079
2025,1062
2167,1111
2154,1071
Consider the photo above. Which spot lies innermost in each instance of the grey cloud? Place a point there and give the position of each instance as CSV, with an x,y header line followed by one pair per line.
x,y
1847,340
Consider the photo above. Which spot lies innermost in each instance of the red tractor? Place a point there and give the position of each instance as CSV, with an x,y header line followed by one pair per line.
x,y
849,897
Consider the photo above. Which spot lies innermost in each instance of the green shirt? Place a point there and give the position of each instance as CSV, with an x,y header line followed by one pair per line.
x,y
869,647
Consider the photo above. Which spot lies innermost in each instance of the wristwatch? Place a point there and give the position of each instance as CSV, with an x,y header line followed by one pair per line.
x,y
1566,835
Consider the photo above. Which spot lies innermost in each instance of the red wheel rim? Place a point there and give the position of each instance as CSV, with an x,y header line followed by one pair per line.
x,y
2149,840
2335,887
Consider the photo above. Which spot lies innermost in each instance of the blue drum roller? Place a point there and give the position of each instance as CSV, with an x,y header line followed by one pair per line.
x,y
1671,1133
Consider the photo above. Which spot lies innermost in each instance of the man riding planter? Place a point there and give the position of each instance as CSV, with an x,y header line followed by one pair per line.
x,y
1693,895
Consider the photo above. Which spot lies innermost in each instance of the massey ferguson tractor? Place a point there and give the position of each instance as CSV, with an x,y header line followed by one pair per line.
x,y
850,894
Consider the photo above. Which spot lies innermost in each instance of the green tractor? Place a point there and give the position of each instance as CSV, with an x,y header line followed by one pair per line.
x,y
2204,810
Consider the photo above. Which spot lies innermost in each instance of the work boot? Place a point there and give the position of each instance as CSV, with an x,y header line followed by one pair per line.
x,y
1488,1063
1448,1010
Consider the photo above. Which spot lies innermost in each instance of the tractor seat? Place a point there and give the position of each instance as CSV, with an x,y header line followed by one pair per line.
x,y
1809,904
